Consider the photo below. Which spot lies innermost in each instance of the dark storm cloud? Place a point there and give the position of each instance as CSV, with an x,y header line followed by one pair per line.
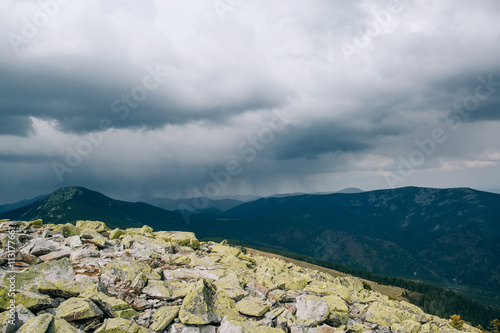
x,y
15,125
31,159
333,137
475,98
353,116
80,106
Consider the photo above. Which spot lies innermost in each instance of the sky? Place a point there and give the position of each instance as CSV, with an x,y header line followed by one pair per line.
x,y
236,97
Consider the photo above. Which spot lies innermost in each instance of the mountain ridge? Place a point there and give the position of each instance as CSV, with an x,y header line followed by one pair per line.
x,y
445,236
69,204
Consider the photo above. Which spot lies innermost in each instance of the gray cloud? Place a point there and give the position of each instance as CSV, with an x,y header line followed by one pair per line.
x,y
353,118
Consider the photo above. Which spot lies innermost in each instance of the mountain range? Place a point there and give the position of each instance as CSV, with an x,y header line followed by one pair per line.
x,y
19,204
446,236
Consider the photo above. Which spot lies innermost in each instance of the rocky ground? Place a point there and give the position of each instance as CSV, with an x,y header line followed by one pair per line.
x,y
88,278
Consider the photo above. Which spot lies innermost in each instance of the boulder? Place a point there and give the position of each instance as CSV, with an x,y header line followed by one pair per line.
x,y
119,325
328,288
113,307
311,310
407,326
241,326
83,253
33,301
63,253
116,234
96,226
52,271
99,241
181,328
73,242
12,320
39,324
41,246
129,269
231,286
37,222
77,309
179,237
146,244
204,305
163,317
252,306
335,303
61,326
180,288
67,230
157,289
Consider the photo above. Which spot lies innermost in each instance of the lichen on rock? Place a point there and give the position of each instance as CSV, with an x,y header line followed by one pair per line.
x,y
140,281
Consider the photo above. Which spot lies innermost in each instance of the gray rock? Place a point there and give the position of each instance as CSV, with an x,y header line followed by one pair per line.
x,y
42,246
83,253
11,321
311,310
73,241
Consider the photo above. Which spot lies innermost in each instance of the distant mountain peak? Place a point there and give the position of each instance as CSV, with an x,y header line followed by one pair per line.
x,y
350,190
68,204
66,193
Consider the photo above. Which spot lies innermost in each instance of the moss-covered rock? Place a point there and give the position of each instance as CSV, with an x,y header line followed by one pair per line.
x,y
430,328
204,305
328,288
120,325
33,301
67,230
231,286
393,312
77,309
114,307
97,226
407,326
179,288
62,288
226,250
52,271
116,234
311,310
37,222
157,289
239,267
179,237
129,269
335,303
139,281
6,299
39,324
13,319
144,231
252,306
60,326
131,241
242,326
163,317
99,241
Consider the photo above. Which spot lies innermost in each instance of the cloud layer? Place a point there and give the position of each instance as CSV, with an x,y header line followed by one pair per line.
x,y
151,99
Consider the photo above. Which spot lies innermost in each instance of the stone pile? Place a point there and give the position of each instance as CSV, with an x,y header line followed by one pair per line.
x,y
88,278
